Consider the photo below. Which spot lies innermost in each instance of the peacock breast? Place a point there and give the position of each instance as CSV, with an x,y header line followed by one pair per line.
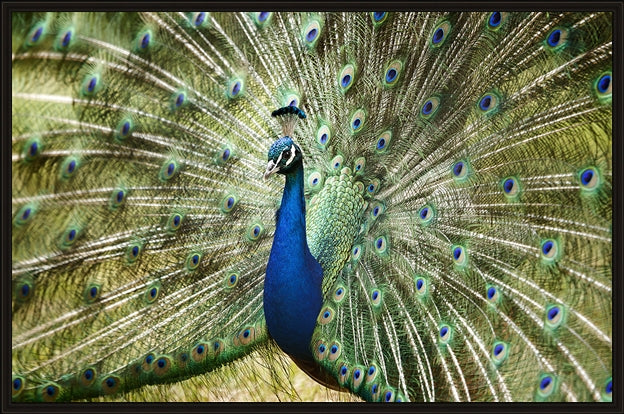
x,y
333,221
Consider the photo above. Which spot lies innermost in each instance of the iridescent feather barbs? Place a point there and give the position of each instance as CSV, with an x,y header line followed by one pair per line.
x,y
444,230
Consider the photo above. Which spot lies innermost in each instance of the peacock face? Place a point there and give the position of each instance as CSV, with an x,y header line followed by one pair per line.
x,y
284,155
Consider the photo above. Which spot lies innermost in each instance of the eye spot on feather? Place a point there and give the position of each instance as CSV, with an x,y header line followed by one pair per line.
x,y
426,214
555,316
334,351
374,389
492,294
356,252
174,222
589,179
235,88
68,167
92,292
604,85
383,142
323,136
359,165
460,171
261,18
193,260
217,347
547,385
357,120
124,129
346,77
23,289
168,170
342,374
245,336
445,334
87,377
357,377
49,392
133,251
430,107
25,214
421,284
339,294
440,34
162,366
311,32
228,203
152,293
381,245
182,359
495,20
178,100
372,187
35,34
90,85
17,386
608,389
389,397
199,18
145,41
488,102
326,316
460,256
550,251
69,237
231,279
378,17
255,231
371,374
511,188
557,38
199,352
146,364
110,384
377,210
320,351
32,149
392,73
375,297
500,351
64,39
224,154
117,198
315,181
336,162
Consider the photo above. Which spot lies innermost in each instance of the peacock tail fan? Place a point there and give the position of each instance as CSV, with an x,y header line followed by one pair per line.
x,y
456,172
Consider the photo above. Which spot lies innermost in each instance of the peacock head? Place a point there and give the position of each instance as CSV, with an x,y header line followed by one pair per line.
x,y
284,157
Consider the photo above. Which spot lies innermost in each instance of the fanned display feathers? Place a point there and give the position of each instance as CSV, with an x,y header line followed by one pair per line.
x,y
442,233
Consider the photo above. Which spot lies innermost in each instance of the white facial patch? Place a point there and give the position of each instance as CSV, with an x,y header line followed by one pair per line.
x,y
292,155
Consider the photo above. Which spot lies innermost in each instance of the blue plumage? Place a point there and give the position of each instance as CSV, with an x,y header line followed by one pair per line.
x,y
292,288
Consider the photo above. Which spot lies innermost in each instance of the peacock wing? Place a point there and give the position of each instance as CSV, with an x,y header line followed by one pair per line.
x,y
141,224
482,270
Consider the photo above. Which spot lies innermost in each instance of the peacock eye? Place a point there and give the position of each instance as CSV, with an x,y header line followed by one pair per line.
x,y
286,154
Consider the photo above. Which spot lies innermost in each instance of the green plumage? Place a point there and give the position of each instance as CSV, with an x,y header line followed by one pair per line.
x,y
458,187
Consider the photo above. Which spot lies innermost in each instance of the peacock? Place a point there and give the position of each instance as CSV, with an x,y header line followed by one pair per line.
x,y
408,206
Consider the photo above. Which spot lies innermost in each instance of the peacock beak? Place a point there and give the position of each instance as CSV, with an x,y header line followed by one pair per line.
x,y
272,167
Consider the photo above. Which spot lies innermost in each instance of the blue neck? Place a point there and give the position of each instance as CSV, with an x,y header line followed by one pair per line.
x,y
292,287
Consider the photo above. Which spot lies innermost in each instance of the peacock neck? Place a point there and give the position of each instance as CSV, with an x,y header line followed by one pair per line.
x,y
292,288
